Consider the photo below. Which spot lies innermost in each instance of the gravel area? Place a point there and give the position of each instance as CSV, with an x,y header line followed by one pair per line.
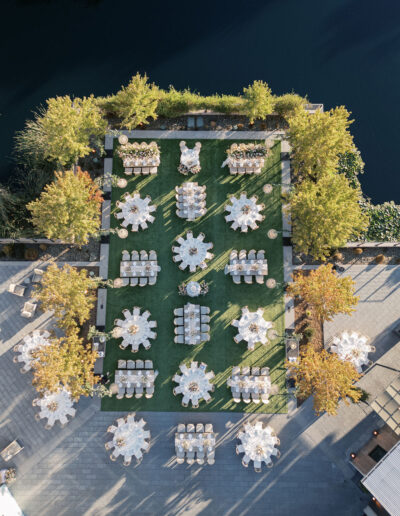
x,y
214,121
348,256
83,332
44,252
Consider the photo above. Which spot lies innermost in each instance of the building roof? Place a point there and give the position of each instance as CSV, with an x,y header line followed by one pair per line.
x,y
387,405
383,481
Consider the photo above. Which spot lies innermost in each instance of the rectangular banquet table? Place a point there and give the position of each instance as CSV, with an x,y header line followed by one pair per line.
x,y
247,267
138,268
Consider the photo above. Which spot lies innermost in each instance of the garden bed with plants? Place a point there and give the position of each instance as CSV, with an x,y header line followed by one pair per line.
x,y
307,325
84,329
356,256
218,122
45,252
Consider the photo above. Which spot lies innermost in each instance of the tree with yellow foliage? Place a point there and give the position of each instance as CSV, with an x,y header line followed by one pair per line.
x,y
259,101
317,139
69,208
65,363
325,292
135,103
69,292
326,377
325,215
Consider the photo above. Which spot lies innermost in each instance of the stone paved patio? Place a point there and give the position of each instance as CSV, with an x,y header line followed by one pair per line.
x,y
378,309
67,471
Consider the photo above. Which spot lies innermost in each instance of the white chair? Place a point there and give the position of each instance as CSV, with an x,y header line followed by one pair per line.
x,y
179,339
28,310
178,312
18,290
245,461
207,397
37,275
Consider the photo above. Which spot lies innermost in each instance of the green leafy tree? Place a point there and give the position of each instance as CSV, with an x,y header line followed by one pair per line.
x,y
65,363
325,215
286,105
64,132
326,377
259,101
137,102
325,292
69,208
317,139
351,165
69,292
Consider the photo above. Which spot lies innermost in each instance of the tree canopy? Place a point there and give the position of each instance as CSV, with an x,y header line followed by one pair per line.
x,y
137,102
326,377
317,139
64,131
326,292
259,101
67,363
325,215
69,208
69,292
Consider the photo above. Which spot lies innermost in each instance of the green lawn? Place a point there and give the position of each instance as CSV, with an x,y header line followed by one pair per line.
x,y
224,298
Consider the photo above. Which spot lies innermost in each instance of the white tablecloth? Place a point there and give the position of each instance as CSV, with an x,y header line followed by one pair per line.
x,y
136,210
131,438
193,251
244,211
31,343
56,406
249,383
258,443
139,268
190,157
194,384
352,347
253,327
248,267
136,329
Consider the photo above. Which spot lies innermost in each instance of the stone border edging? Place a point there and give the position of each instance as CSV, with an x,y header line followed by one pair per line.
x,y
199,135
104,248
372,244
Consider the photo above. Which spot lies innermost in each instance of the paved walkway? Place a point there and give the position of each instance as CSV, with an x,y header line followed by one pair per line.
x,y
68,472
198,135
378,310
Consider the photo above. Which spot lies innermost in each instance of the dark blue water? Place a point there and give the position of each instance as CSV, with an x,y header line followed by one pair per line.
x,y
335,51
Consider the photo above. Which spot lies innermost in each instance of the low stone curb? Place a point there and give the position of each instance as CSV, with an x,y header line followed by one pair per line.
x,y
199,135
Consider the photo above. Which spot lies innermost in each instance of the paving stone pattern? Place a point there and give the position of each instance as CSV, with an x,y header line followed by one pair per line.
x,y
68,472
